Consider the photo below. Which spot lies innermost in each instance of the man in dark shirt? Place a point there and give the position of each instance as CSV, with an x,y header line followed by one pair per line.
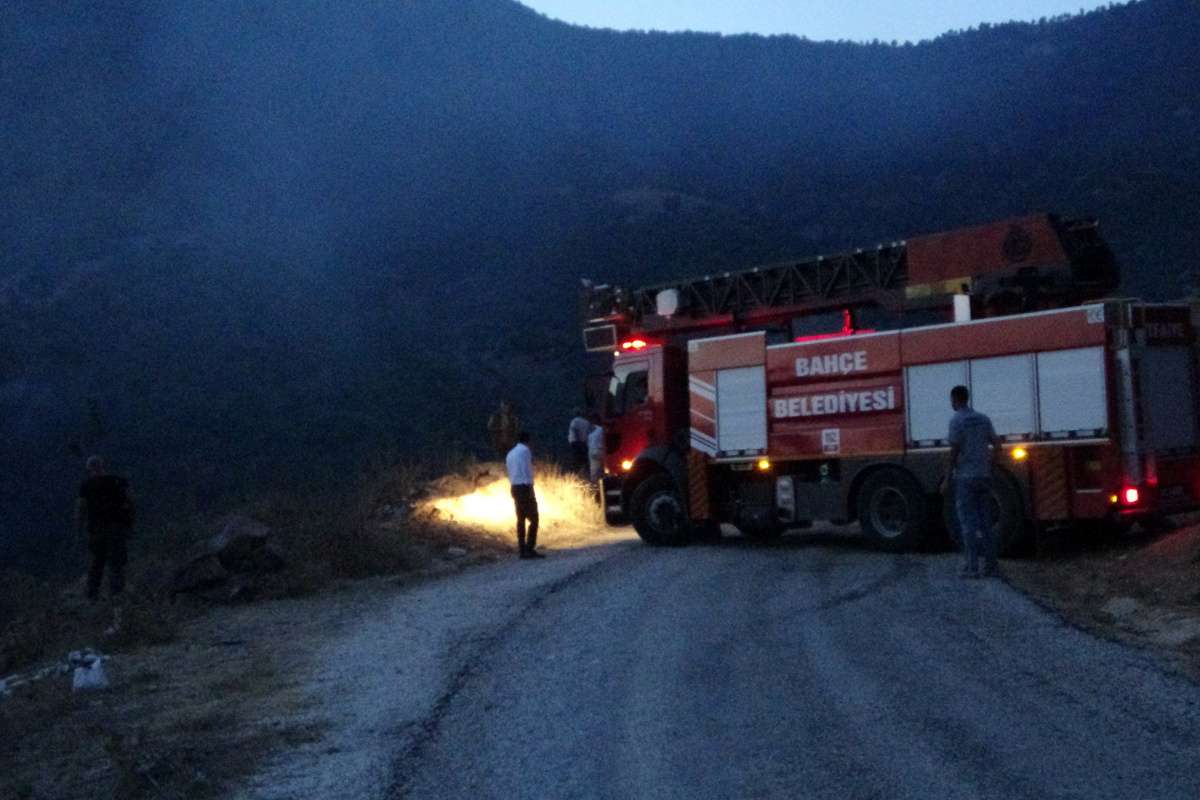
x,y
105,507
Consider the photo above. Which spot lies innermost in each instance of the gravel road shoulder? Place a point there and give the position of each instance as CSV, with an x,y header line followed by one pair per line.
x,y
379,684
1142,590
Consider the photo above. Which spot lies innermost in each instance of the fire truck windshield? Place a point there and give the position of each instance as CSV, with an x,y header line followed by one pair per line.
x,y
628,388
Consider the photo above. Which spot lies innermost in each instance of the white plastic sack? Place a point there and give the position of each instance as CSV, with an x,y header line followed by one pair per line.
x,y
90,677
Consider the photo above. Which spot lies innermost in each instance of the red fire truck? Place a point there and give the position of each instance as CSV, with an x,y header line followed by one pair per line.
x,y
774,397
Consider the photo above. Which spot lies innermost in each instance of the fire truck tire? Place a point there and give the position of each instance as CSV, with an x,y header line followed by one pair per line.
x,y
1012,529
893,511
658,513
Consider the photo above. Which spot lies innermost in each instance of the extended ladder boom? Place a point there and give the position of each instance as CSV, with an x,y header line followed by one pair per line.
x,y
1038,261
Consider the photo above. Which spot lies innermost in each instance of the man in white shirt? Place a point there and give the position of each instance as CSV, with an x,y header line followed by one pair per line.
x,y
519,462
577,438
595,448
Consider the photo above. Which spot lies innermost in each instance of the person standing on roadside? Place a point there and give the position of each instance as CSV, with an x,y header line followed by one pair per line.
x,y
577,439
595,450
502,429
105,510
969,465
519,463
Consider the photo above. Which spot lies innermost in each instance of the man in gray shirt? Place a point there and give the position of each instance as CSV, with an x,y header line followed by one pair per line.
x,y
974,445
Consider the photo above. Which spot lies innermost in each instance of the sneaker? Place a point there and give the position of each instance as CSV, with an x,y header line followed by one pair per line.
x,y
534,554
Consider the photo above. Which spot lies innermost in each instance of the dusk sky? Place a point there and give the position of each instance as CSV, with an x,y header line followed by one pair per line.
x,y
857,20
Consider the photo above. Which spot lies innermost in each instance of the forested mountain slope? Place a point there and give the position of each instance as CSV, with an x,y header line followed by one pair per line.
x,y
249,244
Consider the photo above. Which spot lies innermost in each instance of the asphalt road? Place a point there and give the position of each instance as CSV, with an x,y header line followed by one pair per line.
x,y
815,668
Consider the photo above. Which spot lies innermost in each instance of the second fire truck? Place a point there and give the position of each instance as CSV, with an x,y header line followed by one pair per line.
x,y
819,390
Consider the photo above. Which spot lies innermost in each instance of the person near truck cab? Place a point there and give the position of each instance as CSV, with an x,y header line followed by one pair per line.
x,y
974,445
577,439
519,463
502,429
595,450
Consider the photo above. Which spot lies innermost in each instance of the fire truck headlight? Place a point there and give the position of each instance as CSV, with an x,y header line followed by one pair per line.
x,y
627,465
764,464
1019,454
1131,496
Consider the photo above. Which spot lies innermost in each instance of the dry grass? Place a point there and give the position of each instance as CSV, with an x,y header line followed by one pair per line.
x,y
326,535
338,534
1082,574
479,499
183,721
187,720
44,620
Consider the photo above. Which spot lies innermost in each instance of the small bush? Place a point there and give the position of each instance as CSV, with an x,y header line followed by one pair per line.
x,y
27,625
146,620
337,533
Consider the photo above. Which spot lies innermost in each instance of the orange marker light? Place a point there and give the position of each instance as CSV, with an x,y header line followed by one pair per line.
x,y
1019,454
627,465
764,464
1114,499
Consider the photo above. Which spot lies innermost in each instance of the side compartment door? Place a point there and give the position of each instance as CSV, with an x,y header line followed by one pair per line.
x,y
727,384
742,411
1168,398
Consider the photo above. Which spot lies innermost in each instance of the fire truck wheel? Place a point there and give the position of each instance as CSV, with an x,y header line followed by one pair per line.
x,y
658,513
893,511
1008,514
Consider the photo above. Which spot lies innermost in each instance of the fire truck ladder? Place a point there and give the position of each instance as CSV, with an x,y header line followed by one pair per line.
x,y
758,291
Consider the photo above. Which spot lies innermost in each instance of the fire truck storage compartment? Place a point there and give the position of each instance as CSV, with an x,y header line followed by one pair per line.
x,y
1053,395
1072,396
1005,389
1168,398
742,410
928,400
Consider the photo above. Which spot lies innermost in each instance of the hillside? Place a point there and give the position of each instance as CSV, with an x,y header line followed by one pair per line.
x,y
253,246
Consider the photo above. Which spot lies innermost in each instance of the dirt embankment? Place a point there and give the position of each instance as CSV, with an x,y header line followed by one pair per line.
x,y
200,695
1143,589
190,718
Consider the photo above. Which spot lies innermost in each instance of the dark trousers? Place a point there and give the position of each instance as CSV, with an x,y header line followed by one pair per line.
x,y
109,548
973,501
527,511
579,457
